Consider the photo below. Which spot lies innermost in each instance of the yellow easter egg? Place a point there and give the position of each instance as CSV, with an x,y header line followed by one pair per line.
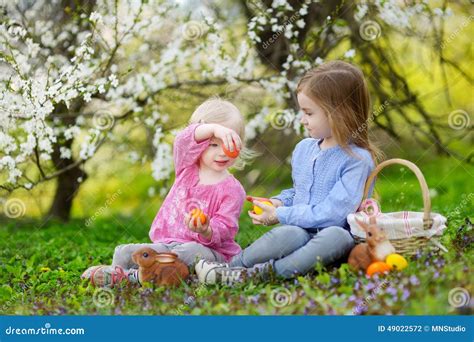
x,y
396,262
258,210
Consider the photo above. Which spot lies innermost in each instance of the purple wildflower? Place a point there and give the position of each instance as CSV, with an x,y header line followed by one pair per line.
x,y
414,280
391,290
405,294
370,286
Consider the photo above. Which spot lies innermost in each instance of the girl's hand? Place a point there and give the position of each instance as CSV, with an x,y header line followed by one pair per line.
x,y
276,203
203,229
267,218
228,135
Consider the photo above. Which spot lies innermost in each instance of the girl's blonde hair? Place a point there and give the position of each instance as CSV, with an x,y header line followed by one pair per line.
x,y
219,111
341,90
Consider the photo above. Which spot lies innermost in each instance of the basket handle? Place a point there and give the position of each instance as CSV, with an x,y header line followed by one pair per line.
x,y
427,222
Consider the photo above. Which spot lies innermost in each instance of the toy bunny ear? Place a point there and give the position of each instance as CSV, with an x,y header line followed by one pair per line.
x,y
362,224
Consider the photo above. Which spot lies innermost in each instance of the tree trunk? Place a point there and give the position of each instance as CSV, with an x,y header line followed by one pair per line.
x,y
66,190
69,181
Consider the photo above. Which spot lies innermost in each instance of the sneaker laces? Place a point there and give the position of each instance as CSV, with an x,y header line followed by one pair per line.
x,y
229,275
119,275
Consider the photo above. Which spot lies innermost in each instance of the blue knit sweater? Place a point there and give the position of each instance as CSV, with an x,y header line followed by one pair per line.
x,y
328,185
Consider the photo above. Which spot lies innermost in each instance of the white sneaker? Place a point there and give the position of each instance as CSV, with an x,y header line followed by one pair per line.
x,y
223,275
204,264
210,272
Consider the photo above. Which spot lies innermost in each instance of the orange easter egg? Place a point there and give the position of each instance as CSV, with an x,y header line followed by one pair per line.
x,y
231,154
198,214
377,267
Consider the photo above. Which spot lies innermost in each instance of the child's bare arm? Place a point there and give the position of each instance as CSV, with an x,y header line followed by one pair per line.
x,y
204,131
276,202
227,135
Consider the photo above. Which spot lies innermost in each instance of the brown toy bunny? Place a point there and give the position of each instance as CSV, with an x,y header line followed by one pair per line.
x,y
376,248
159,268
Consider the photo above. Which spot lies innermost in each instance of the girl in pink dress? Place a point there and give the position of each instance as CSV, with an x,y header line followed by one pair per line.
x,y
202,182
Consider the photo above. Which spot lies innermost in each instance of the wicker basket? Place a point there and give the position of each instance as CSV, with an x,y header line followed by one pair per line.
x,y
408,231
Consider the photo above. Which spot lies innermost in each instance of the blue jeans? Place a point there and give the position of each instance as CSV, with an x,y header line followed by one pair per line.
x,y
294,250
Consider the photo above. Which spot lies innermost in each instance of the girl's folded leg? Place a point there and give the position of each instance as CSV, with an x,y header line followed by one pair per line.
x,y
327,246
123,253
275,244
192,252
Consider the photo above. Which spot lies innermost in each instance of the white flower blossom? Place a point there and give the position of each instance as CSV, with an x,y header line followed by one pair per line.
x,y
350,53
65,153
95,17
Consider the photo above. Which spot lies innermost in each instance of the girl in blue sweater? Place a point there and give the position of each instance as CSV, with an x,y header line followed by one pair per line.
x,y
329,171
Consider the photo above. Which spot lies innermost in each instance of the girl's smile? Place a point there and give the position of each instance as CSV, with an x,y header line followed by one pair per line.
x,y
221,162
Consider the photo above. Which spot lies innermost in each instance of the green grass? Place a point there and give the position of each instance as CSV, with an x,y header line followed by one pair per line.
x,y
41,264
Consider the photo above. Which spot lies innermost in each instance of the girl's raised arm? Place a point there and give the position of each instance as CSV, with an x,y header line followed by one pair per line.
x,y
228,136
187,149
204,131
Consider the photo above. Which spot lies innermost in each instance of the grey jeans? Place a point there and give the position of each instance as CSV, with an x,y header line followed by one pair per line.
x,y
294,250
188,252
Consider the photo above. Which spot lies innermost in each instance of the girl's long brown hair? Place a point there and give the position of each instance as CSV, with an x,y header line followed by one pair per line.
x,y
341,90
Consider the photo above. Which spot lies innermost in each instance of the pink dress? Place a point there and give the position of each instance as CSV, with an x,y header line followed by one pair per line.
x,y
221,202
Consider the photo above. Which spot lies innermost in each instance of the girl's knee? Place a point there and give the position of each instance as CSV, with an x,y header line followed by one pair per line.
x,y
289,232
188,248
288,270
122,256
190,252
338,235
